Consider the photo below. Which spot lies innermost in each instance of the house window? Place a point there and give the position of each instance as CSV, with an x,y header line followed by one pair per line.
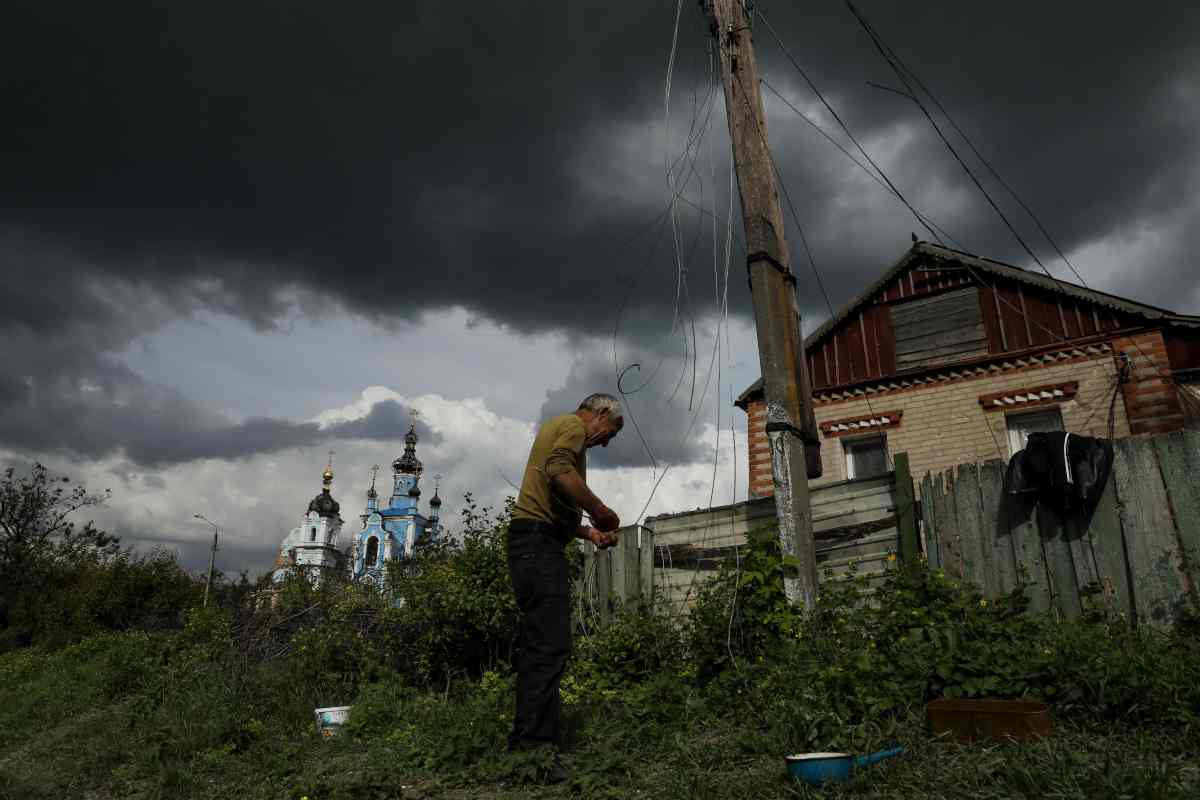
x,y
1021,425
372,551
312,536
866,457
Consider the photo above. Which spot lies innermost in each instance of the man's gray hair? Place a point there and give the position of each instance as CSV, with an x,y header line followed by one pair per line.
x,y
599,402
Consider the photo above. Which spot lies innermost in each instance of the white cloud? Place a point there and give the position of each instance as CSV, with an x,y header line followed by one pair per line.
x,y
255,502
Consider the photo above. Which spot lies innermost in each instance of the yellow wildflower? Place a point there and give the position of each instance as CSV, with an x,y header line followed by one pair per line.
x,y
983,603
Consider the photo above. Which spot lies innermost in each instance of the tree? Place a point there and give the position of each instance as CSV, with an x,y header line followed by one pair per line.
x,y
37,532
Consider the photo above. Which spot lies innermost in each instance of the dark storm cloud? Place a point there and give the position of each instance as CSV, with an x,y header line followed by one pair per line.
x,y
107,410
400,158
441,150
666,407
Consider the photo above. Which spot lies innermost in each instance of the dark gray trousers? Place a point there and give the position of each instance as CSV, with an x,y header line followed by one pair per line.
x,y
538,568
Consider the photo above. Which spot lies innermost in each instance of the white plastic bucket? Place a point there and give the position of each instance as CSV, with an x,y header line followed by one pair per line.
x,y
330,720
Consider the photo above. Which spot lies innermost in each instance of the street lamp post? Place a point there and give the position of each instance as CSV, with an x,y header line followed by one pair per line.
x,y
212,558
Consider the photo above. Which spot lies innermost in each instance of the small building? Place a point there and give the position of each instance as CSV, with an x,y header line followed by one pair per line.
x,y
954,358
388,533
312,546
391,532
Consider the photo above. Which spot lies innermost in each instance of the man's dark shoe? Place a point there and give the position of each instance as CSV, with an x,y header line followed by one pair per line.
x,y
557,771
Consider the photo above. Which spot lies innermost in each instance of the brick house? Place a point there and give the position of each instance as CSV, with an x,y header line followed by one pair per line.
x,y
954,358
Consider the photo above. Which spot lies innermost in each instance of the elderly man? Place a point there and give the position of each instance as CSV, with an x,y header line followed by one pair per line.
x,y
548,515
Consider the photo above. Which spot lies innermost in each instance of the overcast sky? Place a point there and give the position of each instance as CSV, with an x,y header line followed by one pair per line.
x,y
235,236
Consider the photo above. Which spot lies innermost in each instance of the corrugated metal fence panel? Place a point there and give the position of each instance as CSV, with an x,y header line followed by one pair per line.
x,y
854,521
1138,554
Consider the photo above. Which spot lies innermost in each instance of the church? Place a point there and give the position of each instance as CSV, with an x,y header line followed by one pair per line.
x,y
387,533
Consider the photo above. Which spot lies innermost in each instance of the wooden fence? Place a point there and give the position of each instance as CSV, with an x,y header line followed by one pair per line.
x,y
1138,554
857,521
621,575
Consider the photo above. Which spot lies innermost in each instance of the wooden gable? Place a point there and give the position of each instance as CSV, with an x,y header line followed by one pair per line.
x,y
933,312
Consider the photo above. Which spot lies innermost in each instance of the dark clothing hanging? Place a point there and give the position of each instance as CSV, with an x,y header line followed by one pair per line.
x,y
1068,472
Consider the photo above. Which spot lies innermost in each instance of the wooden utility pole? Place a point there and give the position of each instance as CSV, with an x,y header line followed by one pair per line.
x,y
773,288
212,557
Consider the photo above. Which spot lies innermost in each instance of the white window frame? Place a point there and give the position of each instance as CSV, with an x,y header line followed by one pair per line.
x,y
849,443
1017,435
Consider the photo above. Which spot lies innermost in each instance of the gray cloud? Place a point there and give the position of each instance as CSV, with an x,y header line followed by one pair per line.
x,y
252,161
106,409
208,157
666,406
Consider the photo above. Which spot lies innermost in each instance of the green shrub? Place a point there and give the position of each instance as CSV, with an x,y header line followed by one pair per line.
x,y
829,677
459,612
424,730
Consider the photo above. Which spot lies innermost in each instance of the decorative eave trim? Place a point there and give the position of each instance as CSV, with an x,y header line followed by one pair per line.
x,y
952,374
861,424
1025,398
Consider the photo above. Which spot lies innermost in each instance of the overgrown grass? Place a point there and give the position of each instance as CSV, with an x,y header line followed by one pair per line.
x,y
223,707
78,730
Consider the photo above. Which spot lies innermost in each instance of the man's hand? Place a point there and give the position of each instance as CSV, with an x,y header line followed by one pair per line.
x,y
605,518
600,539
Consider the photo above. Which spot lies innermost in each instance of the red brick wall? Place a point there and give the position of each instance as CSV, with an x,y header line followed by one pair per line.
x,y
943,423
761,484
1150,394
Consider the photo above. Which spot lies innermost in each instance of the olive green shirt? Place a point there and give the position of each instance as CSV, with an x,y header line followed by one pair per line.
x,y
559,447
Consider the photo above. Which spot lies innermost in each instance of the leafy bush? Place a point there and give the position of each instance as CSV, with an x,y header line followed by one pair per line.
x,y
828,678
742,612
459,613
435,731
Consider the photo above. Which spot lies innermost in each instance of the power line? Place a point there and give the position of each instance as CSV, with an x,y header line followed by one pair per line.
x,y
900,71
916,78
883,51
843,125
796,219
872,175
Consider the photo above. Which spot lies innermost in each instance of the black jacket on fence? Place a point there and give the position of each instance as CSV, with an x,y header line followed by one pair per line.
x,y
1066,472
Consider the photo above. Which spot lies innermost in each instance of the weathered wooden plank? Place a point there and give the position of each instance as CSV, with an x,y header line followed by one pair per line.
x,y
997,549
876,498
618,561
1104,531
646,566
1085,562
877,560
848,490
861,549
929,523
728,529
970,528
1150,542
914,308
957,344
937,327
949,541
1060,566
604,586
906,517
1030,561
1179,460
